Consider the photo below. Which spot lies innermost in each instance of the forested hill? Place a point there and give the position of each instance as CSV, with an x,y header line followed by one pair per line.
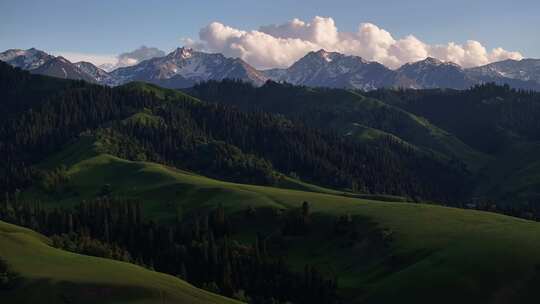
x,y
143,174
142,122
348,113
493,130
496,120
487,117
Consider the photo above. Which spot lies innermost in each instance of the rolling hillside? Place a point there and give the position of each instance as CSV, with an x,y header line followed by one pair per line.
x,y
175,154
53,276
432,250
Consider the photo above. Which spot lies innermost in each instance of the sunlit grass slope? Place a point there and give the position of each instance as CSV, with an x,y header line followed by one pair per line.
x,y
55,276
445,255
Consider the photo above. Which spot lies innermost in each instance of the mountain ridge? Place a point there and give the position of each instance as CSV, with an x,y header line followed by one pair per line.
x,y
185,67
332,69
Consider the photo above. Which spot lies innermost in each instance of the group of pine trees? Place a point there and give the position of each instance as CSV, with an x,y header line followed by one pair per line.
x,y
216,140
487,117
199,250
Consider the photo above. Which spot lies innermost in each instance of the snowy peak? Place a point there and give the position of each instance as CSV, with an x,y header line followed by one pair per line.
x,y
99,75
39,62
434,73
430,63
25,59
322,55
325,55
185,67
11,54
181,53
62,68
332,57
527,70
332,69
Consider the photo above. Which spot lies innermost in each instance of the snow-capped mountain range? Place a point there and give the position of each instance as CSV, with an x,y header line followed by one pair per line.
x,y
433,73
331,69
39,62
524,70
185,67
25,59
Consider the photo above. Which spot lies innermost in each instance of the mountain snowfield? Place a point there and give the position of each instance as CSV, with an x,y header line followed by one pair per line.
x,y
185,67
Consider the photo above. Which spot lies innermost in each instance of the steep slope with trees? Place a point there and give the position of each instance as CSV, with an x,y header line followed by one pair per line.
x,y
48,275
497,120
217,140
342,111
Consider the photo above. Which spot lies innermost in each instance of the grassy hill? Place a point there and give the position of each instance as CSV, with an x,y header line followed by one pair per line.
x,y
402,252
55,276
462,254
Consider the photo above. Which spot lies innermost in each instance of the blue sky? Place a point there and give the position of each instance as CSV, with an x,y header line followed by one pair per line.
x,y
112,27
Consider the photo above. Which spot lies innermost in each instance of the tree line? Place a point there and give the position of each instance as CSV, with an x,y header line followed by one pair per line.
x,y
199,249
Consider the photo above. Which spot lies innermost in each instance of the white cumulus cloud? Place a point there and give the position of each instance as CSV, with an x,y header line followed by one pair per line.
x,y
280,45
256,47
